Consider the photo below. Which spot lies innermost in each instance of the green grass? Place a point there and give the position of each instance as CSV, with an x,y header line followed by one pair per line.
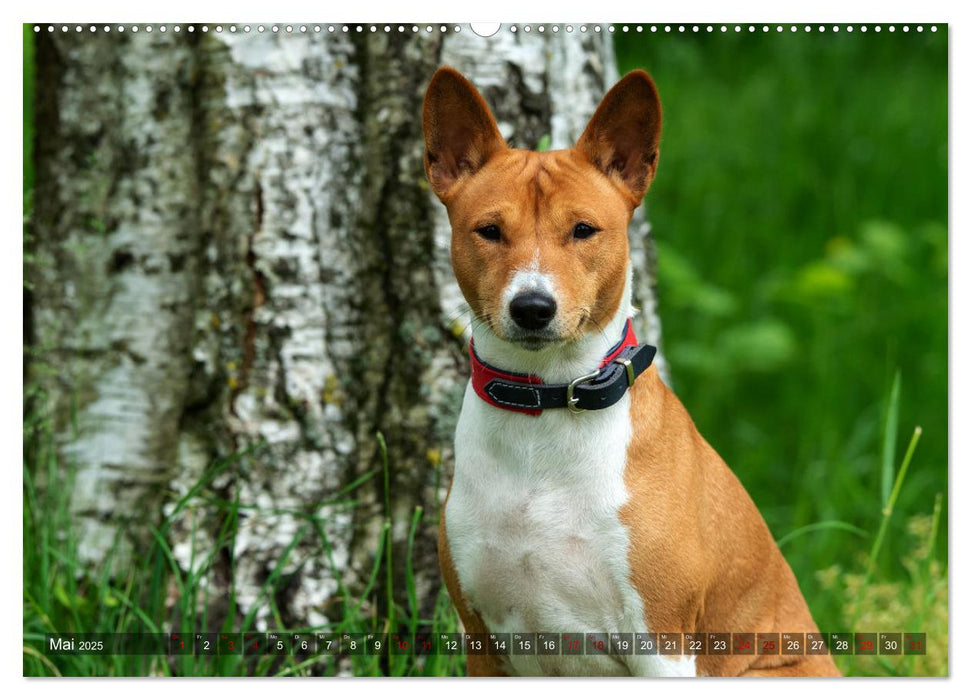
x,y
157,596
62,596
800,211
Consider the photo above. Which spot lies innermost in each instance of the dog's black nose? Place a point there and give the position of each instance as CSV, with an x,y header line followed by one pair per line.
x,y
532,310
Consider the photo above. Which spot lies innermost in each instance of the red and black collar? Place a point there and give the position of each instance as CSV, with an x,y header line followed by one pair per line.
x,y
526,393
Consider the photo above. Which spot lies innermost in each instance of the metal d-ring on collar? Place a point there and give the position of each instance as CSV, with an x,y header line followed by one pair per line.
x,y
631,375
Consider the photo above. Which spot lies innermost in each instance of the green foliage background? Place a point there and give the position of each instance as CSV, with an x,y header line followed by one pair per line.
x,y
800,212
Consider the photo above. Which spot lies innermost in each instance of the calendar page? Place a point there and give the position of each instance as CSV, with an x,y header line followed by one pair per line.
x,y
449,349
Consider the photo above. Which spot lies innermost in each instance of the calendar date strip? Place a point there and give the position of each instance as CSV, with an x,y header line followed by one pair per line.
x,y
503,644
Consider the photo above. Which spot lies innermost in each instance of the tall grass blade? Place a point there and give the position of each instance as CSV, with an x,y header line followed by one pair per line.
x,y
389,540
824,525
889,454
890,503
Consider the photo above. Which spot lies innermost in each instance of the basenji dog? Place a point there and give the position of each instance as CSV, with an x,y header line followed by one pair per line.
x,y
584,500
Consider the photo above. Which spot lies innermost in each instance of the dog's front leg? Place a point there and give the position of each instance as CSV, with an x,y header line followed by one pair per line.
x,y
485,665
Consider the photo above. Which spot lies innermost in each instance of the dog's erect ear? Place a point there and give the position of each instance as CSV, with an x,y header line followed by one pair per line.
x,y
460,132
622,137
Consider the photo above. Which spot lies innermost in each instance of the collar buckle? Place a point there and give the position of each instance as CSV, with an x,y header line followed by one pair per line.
x,y
571,400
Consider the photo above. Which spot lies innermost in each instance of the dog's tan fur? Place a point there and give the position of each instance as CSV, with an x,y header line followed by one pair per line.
x,y
701,556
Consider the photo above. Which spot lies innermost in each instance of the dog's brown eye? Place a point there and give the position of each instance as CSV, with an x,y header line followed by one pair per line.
x,y
490,232
582,231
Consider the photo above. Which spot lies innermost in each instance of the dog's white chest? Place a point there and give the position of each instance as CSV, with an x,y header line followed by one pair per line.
x,y
534,531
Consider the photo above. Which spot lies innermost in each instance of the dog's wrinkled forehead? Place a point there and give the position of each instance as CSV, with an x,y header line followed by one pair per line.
x,y
536,192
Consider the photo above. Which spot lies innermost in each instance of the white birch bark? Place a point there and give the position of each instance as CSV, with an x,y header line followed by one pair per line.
x,y
238,252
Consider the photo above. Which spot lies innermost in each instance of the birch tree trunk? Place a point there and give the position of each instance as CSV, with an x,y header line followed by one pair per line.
x,y
238,254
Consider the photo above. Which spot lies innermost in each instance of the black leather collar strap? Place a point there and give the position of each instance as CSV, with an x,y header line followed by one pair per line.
x,y
591,392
